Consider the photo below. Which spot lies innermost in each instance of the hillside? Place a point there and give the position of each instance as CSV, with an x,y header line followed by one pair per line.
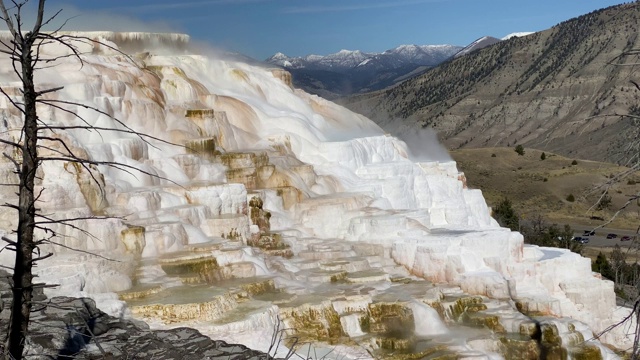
x,y
553,90
542,186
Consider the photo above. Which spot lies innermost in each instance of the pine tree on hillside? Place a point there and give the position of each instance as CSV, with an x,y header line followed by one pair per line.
x,y
506,216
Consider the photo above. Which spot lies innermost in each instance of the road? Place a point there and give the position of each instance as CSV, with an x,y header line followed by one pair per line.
x,y
600,238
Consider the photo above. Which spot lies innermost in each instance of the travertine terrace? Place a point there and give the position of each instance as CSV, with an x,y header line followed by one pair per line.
x,y
276,204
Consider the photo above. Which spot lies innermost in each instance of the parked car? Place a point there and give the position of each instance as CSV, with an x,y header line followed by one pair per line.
x,y
584,240
625,238
578,238
612,236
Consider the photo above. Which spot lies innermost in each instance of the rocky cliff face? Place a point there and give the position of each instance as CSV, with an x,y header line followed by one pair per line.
x,y
279,207
552,90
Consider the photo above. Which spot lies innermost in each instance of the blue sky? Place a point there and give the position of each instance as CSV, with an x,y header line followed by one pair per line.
x,y
259,28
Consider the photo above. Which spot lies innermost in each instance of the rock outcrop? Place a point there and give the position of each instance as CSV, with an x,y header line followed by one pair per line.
x,y
72,328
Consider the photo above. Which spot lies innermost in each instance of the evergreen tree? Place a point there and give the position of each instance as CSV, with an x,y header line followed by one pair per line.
x,y
602,265
506,216
520,150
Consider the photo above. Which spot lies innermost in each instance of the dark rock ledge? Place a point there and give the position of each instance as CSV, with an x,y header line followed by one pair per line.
x,y
69,328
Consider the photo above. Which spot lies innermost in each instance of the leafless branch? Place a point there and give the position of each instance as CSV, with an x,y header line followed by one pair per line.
x,y
7,19
14,103
116,165
81,251
6,239
42,92
120,122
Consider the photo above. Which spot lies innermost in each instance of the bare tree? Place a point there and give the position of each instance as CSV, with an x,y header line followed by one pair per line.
x,y
618,261
21,52
39,142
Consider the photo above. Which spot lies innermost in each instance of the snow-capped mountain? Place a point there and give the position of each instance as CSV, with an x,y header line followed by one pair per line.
x,y
350,72
477,45
422,54
342,59
353,71
517,34
488,41
345,60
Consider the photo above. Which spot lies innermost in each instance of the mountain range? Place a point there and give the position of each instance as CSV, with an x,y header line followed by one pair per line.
x,y
558,90
347,72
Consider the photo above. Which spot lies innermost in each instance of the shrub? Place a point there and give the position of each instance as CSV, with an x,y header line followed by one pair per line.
x,y
520,150
545,180
571,198
631,182
604,202
543,156
493,155
574,162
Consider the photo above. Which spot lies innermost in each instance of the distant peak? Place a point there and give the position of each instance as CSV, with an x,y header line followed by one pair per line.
x,y
279,55
517,34
477,45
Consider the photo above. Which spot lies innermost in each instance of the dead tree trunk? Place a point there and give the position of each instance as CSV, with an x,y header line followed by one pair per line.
x,y
24,247
24,49
22,289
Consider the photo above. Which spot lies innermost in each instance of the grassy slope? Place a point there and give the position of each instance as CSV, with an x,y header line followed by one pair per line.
x,y
521,179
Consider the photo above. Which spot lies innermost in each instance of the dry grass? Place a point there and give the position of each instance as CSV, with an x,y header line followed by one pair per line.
x,y
522,179
632,255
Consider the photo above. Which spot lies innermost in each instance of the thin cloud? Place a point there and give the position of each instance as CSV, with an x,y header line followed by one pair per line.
x,y
182,5
354,7
76,19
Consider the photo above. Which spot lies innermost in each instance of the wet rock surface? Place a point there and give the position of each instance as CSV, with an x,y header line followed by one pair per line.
x,y
72,328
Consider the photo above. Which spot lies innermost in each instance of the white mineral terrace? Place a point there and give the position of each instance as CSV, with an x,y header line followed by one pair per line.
x,y
279,204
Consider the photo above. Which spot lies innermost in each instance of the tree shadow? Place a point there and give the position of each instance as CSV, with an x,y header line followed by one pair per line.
x,y
79,335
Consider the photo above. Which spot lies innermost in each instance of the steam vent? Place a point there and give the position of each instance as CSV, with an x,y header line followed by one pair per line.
x,y
276,209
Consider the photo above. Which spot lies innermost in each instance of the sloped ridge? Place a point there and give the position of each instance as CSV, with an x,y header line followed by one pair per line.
x,y
545,90
477,45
